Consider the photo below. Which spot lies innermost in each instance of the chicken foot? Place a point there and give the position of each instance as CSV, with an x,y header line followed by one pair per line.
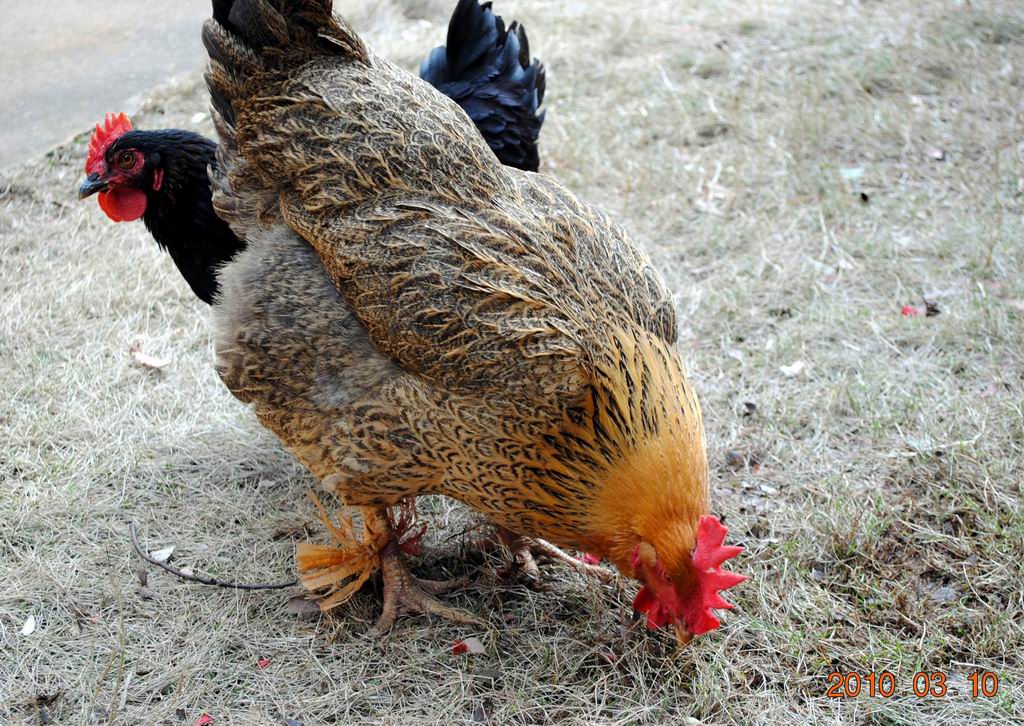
x,y
347,567
525,551
404,593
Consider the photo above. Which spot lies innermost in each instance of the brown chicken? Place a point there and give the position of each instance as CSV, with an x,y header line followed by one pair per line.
x,y
411,318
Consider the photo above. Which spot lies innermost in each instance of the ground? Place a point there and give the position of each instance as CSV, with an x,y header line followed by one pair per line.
x,y
66,61
801,172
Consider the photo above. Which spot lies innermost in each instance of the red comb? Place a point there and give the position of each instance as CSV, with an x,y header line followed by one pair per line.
x,y
708,556
113,127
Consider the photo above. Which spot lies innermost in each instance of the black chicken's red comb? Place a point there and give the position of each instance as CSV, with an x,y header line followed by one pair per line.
x,y
114,126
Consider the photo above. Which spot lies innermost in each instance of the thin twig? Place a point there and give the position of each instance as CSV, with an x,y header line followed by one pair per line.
x,y
468,530
199,578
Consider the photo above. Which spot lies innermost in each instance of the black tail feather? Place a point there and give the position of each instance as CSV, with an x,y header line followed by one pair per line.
x,y
222,13
292,29
487,70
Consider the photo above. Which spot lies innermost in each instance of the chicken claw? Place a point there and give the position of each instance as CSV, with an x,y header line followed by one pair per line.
x,y
342,570
525,550
545,548
405,594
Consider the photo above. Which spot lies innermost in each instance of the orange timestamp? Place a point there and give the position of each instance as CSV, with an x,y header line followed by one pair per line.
x,y
924,684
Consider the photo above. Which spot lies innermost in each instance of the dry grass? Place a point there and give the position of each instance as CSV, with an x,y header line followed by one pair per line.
x,y
778,161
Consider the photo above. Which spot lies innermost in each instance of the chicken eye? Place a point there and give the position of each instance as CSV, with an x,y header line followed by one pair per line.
x,y
126,160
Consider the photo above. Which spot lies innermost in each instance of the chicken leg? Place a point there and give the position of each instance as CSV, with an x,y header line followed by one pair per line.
x,y
404,593
346,567
525,550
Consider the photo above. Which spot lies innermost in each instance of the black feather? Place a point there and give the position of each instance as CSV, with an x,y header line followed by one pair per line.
x,y
486,69
180,214
222,13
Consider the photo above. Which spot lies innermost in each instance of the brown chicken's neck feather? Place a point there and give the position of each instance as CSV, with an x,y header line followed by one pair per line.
x,y
656,487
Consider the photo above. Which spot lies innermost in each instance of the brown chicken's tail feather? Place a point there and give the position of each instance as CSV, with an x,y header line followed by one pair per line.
x,y
247,37
282,31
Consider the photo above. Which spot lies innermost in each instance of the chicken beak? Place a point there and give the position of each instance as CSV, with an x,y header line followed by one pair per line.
x,y
682,634
91,185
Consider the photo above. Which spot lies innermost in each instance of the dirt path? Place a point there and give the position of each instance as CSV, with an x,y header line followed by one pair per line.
x,y
67,62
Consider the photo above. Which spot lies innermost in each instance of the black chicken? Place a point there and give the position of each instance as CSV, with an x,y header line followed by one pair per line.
x,y
162,176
